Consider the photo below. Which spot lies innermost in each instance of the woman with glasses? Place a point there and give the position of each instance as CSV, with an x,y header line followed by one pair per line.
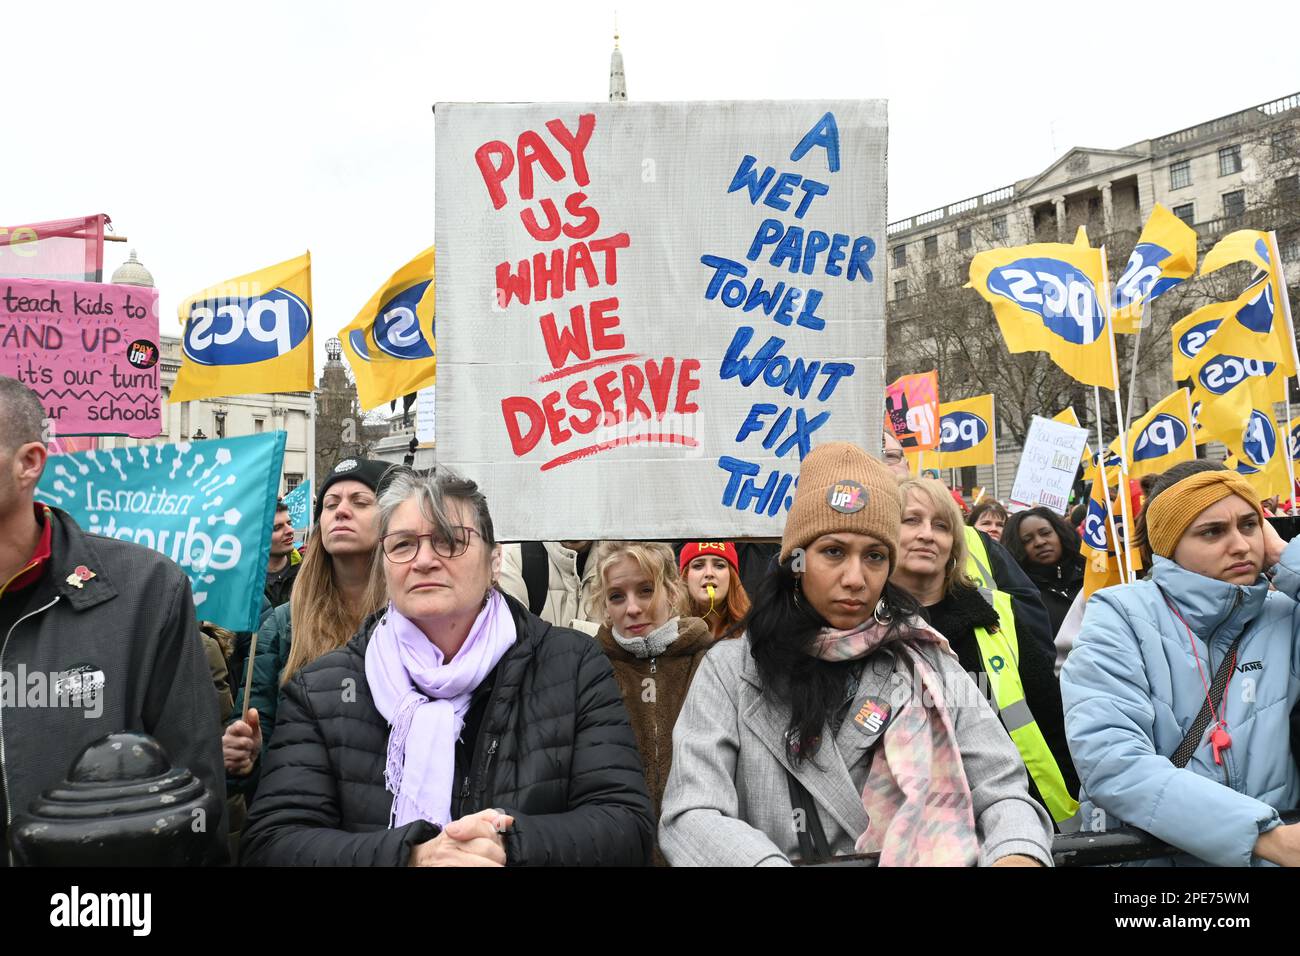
x,y
455,728
895,458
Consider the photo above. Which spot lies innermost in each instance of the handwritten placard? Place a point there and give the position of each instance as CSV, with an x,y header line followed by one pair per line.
x,y
1048,465
666,306
88,349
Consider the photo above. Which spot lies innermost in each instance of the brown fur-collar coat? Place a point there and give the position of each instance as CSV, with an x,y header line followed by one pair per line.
x,y
654,690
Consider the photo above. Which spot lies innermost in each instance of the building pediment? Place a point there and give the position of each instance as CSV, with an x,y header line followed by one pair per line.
x,y
1079,163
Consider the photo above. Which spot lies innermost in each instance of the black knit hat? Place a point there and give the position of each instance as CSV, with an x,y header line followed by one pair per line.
x,y
368,471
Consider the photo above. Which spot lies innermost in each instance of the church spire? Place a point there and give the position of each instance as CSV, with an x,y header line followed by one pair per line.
x,y
617,82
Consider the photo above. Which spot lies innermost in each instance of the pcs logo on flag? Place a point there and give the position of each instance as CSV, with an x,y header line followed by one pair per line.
x,y
1060,293
960,431
1257,314
1141,279
1258,444
1094,526
242,331
1223,373
1161,437
1193,340
397,327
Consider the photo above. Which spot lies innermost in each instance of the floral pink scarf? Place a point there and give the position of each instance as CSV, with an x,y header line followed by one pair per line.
x,y
917,797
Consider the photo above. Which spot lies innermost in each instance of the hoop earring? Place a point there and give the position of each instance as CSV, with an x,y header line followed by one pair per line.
x,y
952,563
881,613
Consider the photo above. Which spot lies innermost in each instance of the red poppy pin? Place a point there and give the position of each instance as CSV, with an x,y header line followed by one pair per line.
x,y
80,575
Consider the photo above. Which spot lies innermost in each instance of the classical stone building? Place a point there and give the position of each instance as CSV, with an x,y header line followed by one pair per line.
x,y
1233,172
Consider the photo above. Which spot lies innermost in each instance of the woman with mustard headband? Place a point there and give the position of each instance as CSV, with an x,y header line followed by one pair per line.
x,y
1178,691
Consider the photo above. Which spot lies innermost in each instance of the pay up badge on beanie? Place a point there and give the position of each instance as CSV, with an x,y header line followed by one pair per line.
x,y
847,497
871,718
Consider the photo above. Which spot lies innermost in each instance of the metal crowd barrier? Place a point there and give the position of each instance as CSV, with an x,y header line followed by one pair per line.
x,y
1089,848
1121,845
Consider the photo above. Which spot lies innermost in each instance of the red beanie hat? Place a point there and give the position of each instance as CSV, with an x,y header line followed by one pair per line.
x,y
722,549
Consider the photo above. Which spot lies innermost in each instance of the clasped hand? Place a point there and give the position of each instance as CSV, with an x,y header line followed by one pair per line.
x,y
473,840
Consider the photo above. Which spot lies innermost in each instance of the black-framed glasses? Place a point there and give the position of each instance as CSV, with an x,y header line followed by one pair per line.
x,y
401,547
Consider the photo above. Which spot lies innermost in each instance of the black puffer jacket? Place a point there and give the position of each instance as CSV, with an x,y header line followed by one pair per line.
x,y
554,749
956,617
1059,584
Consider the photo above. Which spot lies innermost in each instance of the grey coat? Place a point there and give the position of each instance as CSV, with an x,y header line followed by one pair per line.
x,y
728,804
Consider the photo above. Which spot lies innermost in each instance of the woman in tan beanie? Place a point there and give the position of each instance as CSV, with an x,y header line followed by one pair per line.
x,y
1179,688
840,722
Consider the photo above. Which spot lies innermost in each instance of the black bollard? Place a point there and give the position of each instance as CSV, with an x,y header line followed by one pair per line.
x,y
123,804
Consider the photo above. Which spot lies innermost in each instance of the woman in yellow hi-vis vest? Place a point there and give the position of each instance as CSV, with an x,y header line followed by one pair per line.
x,y
1013,670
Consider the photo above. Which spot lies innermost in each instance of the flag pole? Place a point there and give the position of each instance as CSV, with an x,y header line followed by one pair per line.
x,y
993,427
1105,482
1280,289
1132,372
1121,424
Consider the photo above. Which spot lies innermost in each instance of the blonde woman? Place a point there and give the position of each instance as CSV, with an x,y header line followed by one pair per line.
x,y
653,646
335,591
991,641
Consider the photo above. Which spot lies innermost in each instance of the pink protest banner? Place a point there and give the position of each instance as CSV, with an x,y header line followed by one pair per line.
x,y
70,250
912,410
88,349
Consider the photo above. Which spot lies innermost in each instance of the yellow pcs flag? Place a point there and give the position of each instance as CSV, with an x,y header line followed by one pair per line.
x,y
1225,388
1162,437
1101,569
1261,455
1244,245
247,334
390,344
1254,328
967,433
1164,256
1051,297
1193,332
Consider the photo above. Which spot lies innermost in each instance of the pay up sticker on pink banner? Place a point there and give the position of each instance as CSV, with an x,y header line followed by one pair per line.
x,y
88,349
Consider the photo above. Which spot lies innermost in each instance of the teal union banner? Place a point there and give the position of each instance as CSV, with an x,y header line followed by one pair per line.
x,y
207,505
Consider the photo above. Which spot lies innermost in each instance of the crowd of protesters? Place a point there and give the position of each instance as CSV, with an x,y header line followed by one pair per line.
x,y
421,693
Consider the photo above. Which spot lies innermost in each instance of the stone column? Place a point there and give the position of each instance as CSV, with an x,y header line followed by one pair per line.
x,y
1059,203
1107,209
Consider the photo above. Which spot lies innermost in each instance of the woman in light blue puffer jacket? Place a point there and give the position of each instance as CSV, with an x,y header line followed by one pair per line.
x,y
1145,664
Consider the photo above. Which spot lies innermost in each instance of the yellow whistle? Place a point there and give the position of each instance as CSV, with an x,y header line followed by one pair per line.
x,y
711,591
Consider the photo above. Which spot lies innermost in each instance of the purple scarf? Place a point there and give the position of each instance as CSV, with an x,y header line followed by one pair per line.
x,y
424,700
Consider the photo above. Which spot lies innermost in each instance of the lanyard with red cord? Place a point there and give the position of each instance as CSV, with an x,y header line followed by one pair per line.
x,y
1220,739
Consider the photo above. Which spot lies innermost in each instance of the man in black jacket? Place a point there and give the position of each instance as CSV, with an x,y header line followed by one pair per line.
x,y
282,568
106,626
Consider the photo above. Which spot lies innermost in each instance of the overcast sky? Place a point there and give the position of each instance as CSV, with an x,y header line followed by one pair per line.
x,y
226,136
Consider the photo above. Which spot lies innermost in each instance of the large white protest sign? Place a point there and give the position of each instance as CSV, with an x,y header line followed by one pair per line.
x,y
649,312
1048,465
